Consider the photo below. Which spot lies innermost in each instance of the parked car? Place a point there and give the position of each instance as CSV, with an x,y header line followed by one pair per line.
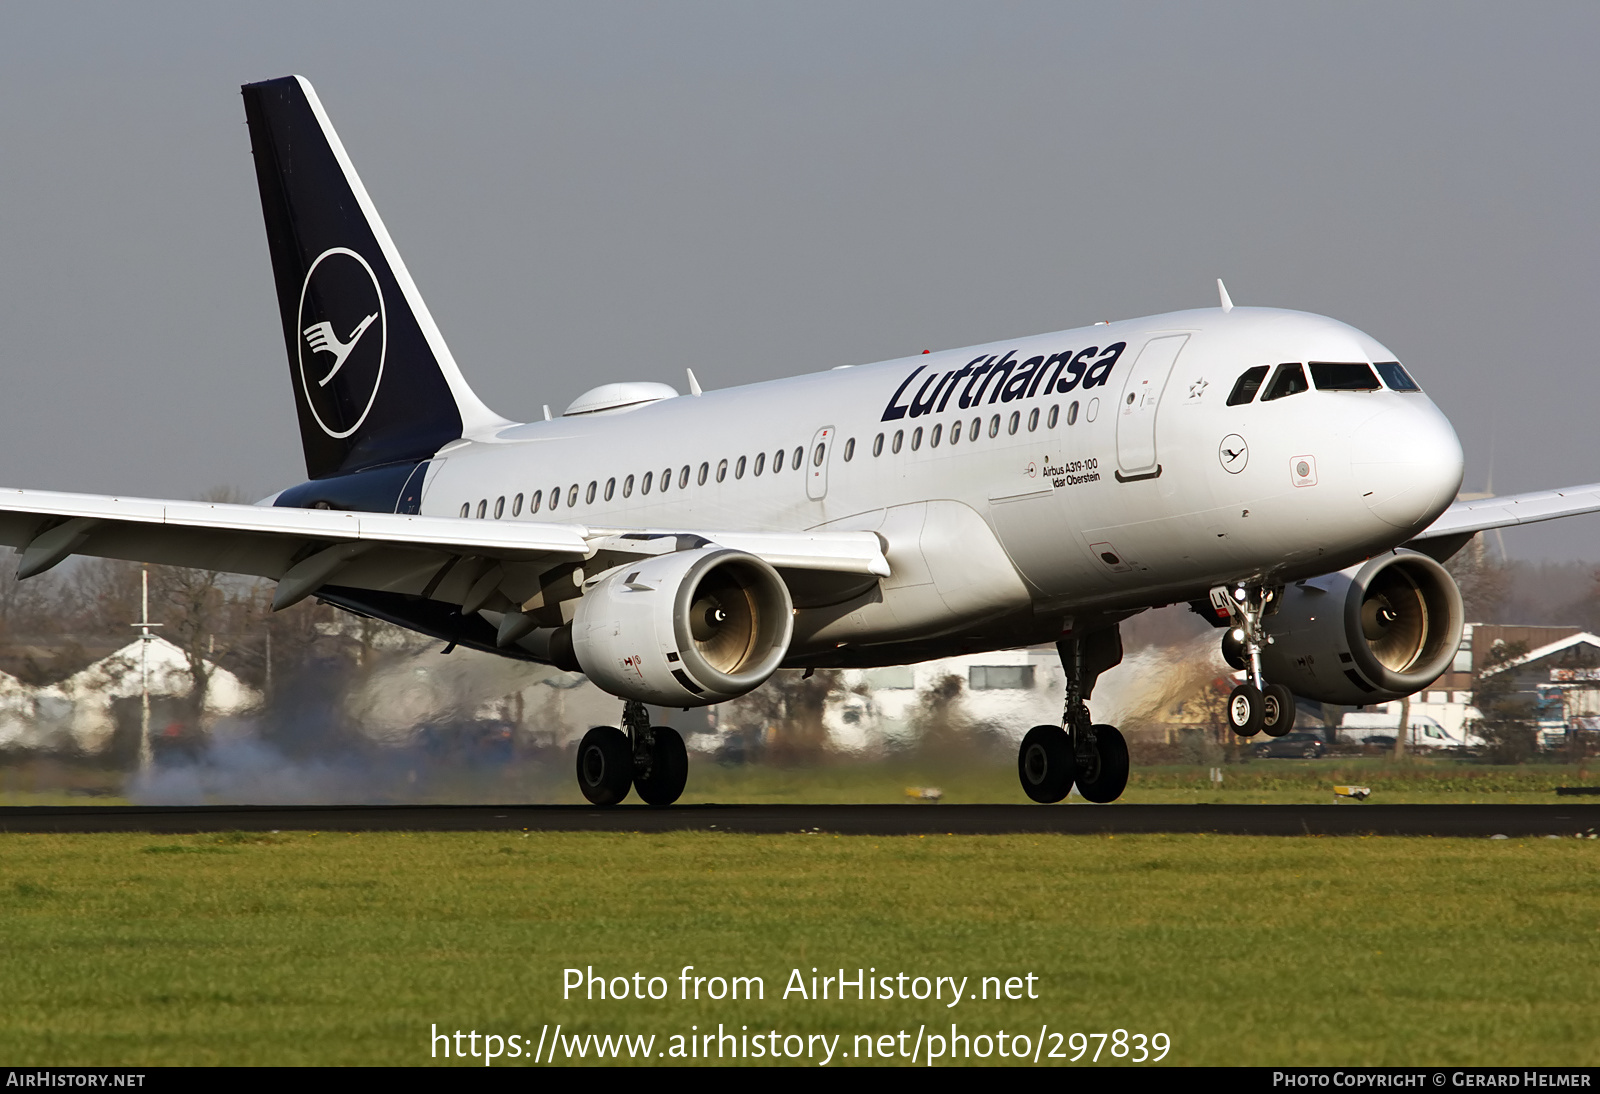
x,y
1306,746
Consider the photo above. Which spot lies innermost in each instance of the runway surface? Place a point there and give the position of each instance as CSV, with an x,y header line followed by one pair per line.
x,y
1472,821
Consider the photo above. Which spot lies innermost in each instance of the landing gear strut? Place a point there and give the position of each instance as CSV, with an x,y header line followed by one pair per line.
x,y
649,759
1254,706
1094,756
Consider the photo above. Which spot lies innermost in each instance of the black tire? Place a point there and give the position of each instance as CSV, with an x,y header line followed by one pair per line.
x,y
669,768
1277,710
1244,710
605,765
1108,776
1045,765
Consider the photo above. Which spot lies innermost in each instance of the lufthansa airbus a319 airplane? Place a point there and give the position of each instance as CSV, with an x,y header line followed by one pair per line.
x,y
1280,471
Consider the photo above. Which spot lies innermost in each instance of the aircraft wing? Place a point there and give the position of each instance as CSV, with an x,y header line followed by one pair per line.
x,y
472,563
1480,515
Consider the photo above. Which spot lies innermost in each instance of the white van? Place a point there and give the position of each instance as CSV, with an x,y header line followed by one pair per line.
x,y
1359,727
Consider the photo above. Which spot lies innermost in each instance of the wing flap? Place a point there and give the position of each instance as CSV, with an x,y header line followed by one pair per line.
x,y
443,558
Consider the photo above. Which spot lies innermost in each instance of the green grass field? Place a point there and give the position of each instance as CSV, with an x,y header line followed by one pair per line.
x,y
335,948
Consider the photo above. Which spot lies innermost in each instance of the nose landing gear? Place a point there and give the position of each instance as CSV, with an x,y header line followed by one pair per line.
x,y
1253,706
1094,756
649,759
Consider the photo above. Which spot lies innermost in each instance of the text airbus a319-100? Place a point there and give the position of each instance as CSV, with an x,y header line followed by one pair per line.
x,y
1280,471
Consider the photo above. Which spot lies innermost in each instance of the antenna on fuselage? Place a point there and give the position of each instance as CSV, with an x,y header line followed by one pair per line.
x,y
1222,291
694,385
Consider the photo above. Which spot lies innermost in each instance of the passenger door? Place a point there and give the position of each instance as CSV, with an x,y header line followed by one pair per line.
x,y
1136,412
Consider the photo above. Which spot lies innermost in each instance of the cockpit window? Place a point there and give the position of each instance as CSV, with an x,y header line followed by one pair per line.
x,y
1290,379
1248,385
1343,376
1396,377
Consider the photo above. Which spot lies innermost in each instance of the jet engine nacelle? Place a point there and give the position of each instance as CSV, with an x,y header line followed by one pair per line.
x,y
685,629
1375,632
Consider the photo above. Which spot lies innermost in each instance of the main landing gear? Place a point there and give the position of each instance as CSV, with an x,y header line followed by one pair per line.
x,y
1254,706
1094,756
649,759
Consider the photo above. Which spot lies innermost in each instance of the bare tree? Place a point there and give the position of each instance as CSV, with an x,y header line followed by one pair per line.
x,y
788,710
1485,582
1506,718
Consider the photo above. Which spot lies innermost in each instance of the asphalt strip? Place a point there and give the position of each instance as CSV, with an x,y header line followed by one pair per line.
x,y
1468,821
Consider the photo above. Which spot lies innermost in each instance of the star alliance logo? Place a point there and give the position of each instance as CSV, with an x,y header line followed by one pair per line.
x,y
341,293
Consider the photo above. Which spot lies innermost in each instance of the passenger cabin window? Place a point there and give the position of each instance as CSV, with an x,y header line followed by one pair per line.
x,y
1343,376
1248,384
1288,380
877,445
849,449
798,458
499,507
1055,415
1396,377
533,503
466,509
761,462
516,506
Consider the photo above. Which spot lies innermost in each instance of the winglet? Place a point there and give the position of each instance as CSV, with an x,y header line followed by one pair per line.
x,y
1222,291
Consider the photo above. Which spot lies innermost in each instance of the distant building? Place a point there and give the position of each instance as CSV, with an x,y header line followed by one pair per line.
x,y
1551,675
80,714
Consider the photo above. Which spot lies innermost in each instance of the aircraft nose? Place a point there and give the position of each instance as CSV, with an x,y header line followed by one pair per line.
x,y
1407,464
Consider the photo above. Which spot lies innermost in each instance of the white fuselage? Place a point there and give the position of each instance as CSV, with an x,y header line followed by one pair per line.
x,y
1134,487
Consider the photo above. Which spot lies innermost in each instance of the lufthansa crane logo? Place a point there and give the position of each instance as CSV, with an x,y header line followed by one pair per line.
x,y
1233,453
344,337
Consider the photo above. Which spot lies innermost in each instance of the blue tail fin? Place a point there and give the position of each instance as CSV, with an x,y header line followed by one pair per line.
x,y
374,382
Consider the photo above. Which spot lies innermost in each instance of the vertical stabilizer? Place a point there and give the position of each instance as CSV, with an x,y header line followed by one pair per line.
x,y
374,382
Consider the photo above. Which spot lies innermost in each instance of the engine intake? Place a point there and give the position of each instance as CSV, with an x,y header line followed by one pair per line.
x,y
685,629
1375,632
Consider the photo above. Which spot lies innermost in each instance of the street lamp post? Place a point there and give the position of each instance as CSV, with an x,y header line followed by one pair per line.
x,y
146,754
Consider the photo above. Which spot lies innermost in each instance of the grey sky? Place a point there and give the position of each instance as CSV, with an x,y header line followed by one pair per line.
x,y
597,191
